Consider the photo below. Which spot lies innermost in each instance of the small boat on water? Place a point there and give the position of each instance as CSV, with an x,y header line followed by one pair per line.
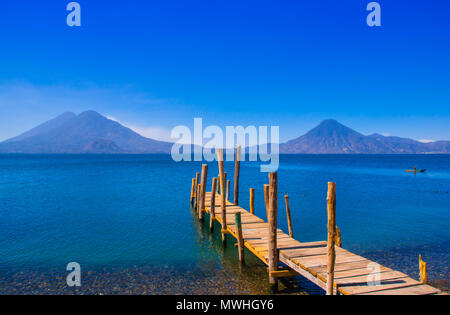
x,y
415,170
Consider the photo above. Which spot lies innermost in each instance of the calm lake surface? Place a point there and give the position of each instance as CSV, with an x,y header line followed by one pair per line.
x,y
127,220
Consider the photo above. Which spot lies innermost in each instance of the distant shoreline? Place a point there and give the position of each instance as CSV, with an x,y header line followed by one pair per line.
x,y
91,133
286,154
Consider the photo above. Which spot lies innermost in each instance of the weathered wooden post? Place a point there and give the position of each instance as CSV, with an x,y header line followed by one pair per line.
x,y
197,177
203,191
252,200
197,181
240,237
237,165
197,199
219,188
223,202
266,199
212,206
423,270
331,259
338,237
288,213
228,189
272,220
225,181
192,191
219,181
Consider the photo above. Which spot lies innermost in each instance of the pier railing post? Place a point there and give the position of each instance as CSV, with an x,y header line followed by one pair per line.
x,y
203,191
218,185
228,189
331,259
338,237
272,220
223,202
237,165
266,199
288,214
192,191
197,181
240,237
197,199
212,206
423,270
252,200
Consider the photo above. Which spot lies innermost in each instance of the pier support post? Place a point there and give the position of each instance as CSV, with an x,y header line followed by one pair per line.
x,y
197,181
197,199
192,191
237,165
272,220
218,185
223,202
203,191
288,214
240,237
338,237
266,199
423,270
331,259
212,206
228,189
252,200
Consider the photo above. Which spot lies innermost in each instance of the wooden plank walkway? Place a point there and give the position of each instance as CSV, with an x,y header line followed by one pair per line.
x,y
310,259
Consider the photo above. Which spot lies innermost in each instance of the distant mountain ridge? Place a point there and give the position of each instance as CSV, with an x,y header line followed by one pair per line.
x,y
92,133
88,132
331,137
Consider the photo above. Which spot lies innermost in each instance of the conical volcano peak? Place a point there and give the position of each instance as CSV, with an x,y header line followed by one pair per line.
x,y
331,124
90,114
332,128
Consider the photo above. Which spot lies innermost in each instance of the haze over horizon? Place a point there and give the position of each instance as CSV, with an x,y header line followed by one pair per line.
x,y
162,134
92,133
153,66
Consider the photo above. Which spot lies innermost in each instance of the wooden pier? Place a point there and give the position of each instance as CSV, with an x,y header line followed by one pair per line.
x,y
325,263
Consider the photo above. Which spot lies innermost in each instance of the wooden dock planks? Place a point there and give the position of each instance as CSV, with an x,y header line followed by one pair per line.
x,y
352,271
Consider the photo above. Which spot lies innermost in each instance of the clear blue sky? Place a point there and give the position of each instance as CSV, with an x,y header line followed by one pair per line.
x,y
156,64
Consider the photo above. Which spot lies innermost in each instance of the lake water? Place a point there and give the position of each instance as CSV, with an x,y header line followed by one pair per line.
x,y
127,220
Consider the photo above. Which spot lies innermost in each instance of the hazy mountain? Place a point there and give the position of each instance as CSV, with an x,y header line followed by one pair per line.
x,y
89,132
332,137
45,127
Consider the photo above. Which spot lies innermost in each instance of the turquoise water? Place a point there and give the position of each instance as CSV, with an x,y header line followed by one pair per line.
x,y
127,220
